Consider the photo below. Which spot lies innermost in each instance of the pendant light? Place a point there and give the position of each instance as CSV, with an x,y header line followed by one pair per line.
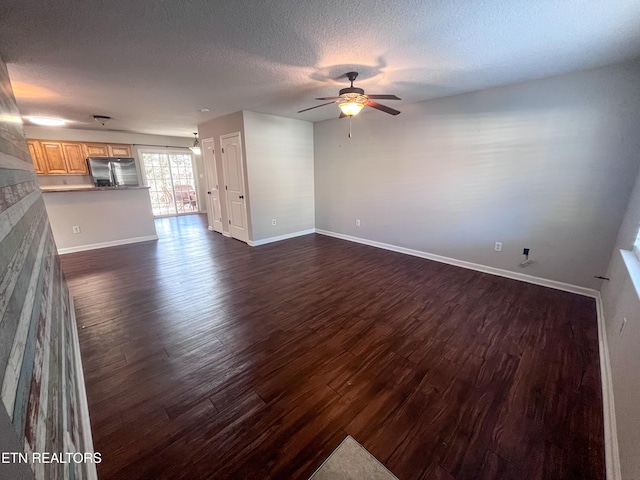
x,y
196,145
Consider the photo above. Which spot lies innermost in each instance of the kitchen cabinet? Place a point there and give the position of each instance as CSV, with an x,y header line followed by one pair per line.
x,y
62,158
108,150
75,158
119,150
36,155
97,149
53,158
59,157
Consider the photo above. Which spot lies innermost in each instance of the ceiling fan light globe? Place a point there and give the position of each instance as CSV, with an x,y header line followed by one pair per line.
x,y
351,108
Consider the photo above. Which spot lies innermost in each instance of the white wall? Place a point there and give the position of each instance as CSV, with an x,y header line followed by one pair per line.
x,y
279,157
104,216
109,136
621,300
548,165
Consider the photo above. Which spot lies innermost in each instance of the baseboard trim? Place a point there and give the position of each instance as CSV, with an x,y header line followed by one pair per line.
x,y
114,243
226,234
567,287
264,241
92,473
611,450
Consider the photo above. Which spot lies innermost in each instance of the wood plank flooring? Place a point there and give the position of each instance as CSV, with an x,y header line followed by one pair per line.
x,y
206,358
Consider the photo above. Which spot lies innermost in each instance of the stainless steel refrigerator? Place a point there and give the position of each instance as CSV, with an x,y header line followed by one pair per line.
x,y
113,172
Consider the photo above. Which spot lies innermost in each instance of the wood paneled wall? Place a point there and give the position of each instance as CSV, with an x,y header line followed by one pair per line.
x,y
38,341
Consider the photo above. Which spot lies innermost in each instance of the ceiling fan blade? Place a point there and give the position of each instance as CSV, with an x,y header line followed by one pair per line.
x,y
382,108
311,108
384,97
342,115
328,98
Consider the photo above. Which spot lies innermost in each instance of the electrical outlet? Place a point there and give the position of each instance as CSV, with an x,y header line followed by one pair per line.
x,y
624,324
498,247
357,222
76,229
273,222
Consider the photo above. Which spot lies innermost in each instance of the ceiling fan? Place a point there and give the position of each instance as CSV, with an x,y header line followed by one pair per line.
x,y
352,99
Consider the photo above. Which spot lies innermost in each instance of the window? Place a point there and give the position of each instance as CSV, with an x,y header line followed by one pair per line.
x,y
171,176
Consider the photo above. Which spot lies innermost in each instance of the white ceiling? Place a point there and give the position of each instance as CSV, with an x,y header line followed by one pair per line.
x,y
152,64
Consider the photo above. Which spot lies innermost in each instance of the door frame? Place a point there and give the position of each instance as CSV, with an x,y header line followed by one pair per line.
x,y
244,184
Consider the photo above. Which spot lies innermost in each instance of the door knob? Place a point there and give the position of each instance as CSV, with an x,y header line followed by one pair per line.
x,y
240,196
209,193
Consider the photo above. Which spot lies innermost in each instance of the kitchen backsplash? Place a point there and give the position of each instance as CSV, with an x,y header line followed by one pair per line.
x,y
64,181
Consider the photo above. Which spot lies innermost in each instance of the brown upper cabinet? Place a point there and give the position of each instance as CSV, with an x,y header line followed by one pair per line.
x,y
97,149
75,158
108,150
54,157
119,150
36,155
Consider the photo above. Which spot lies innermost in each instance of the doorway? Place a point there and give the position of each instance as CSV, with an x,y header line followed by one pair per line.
x,y
214,208
171,177
233,167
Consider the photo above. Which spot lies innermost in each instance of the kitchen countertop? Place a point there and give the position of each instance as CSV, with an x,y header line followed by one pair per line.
x,y
87,189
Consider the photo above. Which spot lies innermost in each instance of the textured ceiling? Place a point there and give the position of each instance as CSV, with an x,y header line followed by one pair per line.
x,y
152,64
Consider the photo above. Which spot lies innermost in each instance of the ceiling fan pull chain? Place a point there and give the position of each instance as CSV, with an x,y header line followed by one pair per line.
x,y
350,126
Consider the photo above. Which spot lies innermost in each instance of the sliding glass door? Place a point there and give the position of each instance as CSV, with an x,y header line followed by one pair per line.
x,y
170,174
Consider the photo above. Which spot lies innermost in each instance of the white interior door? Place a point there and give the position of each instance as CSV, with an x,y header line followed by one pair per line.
x,y
234,185
214,210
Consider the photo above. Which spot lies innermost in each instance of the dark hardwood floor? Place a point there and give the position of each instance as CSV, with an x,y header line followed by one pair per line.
x,y
207,358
